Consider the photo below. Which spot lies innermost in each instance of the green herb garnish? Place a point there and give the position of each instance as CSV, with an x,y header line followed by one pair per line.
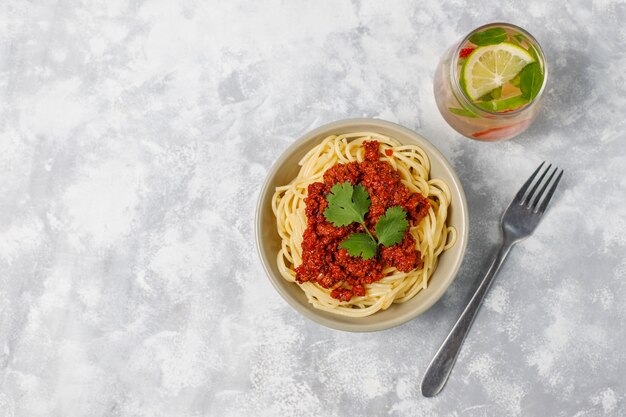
x,y
360,244
462,112
510,103
348,204
391,226
531,80
491,36
494,94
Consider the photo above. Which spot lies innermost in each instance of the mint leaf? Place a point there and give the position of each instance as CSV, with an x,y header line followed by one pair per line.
x,y
491,36
510,103
347,204
360,244
496,93
531,80
391,226
462,112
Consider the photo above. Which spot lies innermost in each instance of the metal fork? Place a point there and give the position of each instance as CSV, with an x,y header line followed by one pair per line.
x,y
518,222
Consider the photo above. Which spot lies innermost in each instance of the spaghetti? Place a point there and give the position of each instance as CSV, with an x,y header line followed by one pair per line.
x,y
431,234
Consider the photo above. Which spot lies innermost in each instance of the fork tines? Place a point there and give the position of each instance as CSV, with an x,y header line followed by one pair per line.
x,y
538,201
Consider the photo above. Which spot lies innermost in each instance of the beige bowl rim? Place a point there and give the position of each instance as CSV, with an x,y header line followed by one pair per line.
x,y
438,283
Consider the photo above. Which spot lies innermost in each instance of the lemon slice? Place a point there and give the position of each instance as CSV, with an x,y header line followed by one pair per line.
x,y
488,67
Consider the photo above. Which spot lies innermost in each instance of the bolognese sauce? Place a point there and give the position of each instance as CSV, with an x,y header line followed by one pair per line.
x,y
332,267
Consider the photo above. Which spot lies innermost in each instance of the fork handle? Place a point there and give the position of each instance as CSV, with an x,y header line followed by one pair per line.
x,y
440,367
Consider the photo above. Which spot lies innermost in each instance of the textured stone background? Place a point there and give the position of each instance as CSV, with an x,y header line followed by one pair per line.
x,y
134,137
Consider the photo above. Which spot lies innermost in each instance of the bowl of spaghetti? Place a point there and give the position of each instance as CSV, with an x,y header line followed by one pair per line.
x,y
361,225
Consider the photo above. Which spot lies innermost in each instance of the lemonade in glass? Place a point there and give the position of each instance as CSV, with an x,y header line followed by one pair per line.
x,y
489,85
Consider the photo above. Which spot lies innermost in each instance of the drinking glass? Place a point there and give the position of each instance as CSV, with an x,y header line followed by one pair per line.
x,y
489,85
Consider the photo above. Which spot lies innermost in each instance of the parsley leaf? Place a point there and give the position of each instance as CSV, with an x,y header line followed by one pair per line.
x,y
360,244
391,226
347,204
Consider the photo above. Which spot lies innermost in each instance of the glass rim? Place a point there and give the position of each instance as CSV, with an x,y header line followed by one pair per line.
x,y
456,76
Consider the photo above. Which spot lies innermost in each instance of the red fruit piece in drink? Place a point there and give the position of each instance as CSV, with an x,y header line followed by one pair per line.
x,y
497,133
465,52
